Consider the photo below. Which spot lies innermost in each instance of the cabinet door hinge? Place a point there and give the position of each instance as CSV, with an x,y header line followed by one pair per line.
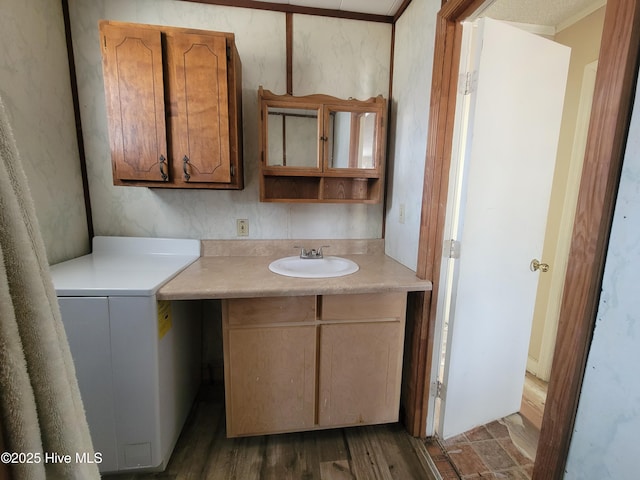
x,y
439,389
233,170
467,82
228,53
452,248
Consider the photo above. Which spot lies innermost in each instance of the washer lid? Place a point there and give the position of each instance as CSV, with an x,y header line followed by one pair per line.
x,y
117,269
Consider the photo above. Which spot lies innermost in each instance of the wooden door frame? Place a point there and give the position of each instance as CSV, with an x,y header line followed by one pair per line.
x,y
611,111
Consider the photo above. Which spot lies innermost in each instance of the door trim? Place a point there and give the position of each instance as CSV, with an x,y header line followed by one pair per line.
x,y
612,103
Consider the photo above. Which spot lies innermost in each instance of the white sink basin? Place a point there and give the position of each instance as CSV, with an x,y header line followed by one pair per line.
x,y
313,267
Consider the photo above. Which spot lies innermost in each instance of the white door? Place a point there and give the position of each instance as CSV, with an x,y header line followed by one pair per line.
x,y
510,141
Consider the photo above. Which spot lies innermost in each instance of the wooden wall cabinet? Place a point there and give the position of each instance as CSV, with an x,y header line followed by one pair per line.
x,y
312,362
174,106
319,148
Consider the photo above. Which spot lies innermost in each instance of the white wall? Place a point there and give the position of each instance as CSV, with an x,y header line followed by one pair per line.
x,y
35,88
344,58
605,439
338,57
413,62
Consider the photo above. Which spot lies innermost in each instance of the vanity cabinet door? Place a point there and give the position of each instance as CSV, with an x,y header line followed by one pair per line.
x,y
270,383
361,342
270,364
359,373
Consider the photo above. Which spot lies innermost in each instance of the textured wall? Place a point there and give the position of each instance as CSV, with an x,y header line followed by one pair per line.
x,y
413,62
605,438
332,56
345,58
34,85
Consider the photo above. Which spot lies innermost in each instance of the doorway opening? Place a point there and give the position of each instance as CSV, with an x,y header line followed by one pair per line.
x,y
608,130
508,444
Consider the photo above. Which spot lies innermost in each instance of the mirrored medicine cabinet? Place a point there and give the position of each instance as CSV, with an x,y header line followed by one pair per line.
x,y
318,148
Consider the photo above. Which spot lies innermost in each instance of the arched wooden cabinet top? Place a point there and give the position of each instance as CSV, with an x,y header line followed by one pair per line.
x,y
319,148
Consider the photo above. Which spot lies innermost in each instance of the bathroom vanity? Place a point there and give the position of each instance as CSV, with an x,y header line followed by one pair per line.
x,y
314,361
304,353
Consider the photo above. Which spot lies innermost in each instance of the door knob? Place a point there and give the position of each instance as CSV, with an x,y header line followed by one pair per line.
x,y
536,265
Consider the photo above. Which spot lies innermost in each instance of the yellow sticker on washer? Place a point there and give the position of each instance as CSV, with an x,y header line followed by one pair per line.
x,y
164,317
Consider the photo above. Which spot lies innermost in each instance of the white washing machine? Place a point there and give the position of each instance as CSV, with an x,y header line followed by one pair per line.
x,y
137,359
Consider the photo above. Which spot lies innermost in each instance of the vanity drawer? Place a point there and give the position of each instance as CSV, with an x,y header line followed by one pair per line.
x,y
256,311
365,306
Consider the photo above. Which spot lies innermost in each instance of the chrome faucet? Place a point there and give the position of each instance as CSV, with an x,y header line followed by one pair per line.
x,y
311,253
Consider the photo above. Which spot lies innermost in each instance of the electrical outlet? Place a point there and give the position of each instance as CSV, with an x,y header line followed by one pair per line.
x,y
402,213
242,227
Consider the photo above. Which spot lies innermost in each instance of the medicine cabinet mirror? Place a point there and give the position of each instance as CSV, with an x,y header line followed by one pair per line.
x,y
352,139
293,138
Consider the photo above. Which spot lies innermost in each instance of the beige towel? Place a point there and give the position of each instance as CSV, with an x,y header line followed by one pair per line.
x,y
40,404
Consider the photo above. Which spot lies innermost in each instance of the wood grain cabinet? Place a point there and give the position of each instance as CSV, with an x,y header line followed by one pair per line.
x,y
321,149
360,358
270,364
174,101
312,362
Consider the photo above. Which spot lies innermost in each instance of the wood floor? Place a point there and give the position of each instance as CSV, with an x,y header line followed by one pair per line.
x,y
534,397
373,452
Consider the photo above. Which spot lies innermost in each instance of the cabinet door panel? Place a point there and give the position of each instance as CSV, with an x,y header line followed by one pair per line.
x,y
367,306
133,79
197,70
359,373
270,379
265,310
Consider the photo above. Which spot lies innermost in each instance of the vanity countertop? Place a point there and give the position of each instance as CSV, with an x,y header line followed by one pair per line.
x,y
240,269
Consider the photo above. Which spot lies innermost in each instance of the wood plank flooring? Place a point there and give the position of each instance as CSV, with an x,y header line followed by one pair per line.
x,y
382,452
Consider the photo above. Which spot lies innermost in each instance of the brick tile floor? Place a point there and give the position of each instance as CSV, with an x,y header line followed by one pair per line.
x,y
484,452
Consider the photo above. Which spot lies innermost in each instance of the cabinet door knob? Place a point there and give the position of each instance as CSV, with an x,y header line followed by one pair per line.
x,y
185,162
163,174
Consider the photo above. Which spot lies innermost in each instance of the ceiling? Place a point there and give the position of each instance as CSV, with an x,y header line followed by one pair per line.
x,y
537,12
552,13
374,7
